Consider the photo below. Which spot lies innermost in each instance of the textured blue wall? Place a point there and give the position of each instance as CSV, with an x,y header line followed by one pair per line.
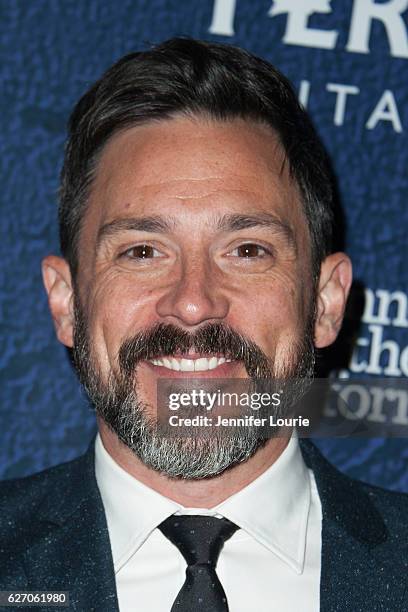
x,y
51,50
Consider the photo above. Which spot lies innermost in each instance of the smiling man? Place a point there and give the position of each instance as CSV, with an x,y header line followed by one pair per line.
x,y
196,224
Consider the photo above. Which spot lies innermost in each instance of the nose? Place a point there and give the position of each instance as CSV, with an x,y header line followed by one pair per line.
x,y
195,297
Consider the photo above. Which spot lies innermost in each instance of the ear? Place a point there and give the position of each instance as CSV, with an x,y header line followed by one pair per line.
x,y
58,284
334,286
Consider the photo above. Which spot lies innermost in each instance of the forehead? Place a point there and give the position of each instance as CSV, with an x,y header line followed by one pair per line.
x,y
193,167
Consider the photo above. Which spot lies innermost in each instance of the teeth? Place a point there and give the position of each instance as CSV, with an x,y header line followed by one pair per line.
x,y
187,365
212,363
190,365
201,365
174,364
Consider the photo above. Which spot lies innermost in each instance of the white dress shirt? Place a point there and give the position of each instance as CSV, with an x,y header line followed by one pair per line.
x,y
271,564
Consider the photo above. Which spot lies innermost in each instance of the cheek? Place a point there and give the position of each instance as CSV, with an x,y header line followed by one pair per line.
x,y
270,314
117,310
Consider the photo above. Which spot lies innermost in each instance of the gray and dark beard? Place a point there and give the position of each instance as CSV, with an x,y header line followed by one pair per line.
x,y
188,457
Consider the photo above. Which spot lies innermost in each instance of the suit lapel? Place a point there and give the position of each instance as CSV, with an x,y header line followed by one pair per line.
x,y
69,548
356,567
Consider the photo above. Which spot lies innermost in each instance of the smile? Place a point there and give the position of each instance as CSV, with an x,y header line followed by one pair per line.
x,y
202,364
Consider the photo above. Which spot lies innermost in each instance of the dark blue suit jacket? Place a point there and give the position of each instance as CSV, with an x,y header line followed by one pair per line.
x,y
53,536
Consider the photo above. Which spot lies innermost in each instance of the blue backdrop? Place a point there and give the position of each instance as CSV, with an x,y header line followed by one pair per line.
x,y
347,59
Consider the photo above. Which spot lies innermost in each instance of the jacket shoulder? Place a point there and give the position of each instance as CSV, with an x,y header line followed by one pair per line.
x,y
39,516
366,511
21,498
392,505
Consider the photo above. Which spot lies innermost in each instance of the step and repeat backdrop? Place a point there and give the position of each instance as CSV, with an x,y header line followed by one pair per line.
x,y
347,60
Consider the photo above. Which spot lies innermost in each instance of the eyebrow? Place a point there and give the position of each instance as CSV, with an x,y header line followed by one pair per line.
x,y
237,222
226,223
154,224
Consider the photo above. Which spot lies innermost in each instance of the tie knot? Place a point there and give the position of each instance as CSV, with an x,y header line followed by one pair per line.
x,y
198,538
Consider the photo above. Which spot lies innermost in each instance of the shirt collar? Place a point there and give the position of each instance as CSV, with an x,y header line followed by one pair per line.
x,y
273,509
132,509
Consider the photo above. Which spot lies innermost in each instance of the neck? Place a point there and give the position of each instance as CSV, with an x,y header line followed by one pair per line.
x,y
204,493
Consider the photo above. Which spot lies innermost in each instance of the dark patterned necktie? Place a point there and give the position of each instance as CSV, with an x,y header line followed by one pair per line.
x,y
200,540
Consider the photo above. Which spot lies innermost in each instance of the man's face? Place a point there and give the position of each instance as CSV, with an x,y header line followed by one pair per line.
x,y
192,225
193,222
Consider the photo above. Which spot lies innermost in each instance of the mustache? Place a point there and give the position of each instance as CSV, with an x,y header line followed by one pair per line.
x,y
169,340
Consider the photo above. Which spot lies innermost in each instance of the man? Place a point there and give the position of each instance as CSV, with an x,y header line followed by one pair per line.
x,y
196,225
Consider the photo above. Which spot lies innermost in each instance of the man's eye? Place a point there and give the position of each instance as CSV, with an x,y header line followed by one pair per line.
x,y
142,251
250,250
